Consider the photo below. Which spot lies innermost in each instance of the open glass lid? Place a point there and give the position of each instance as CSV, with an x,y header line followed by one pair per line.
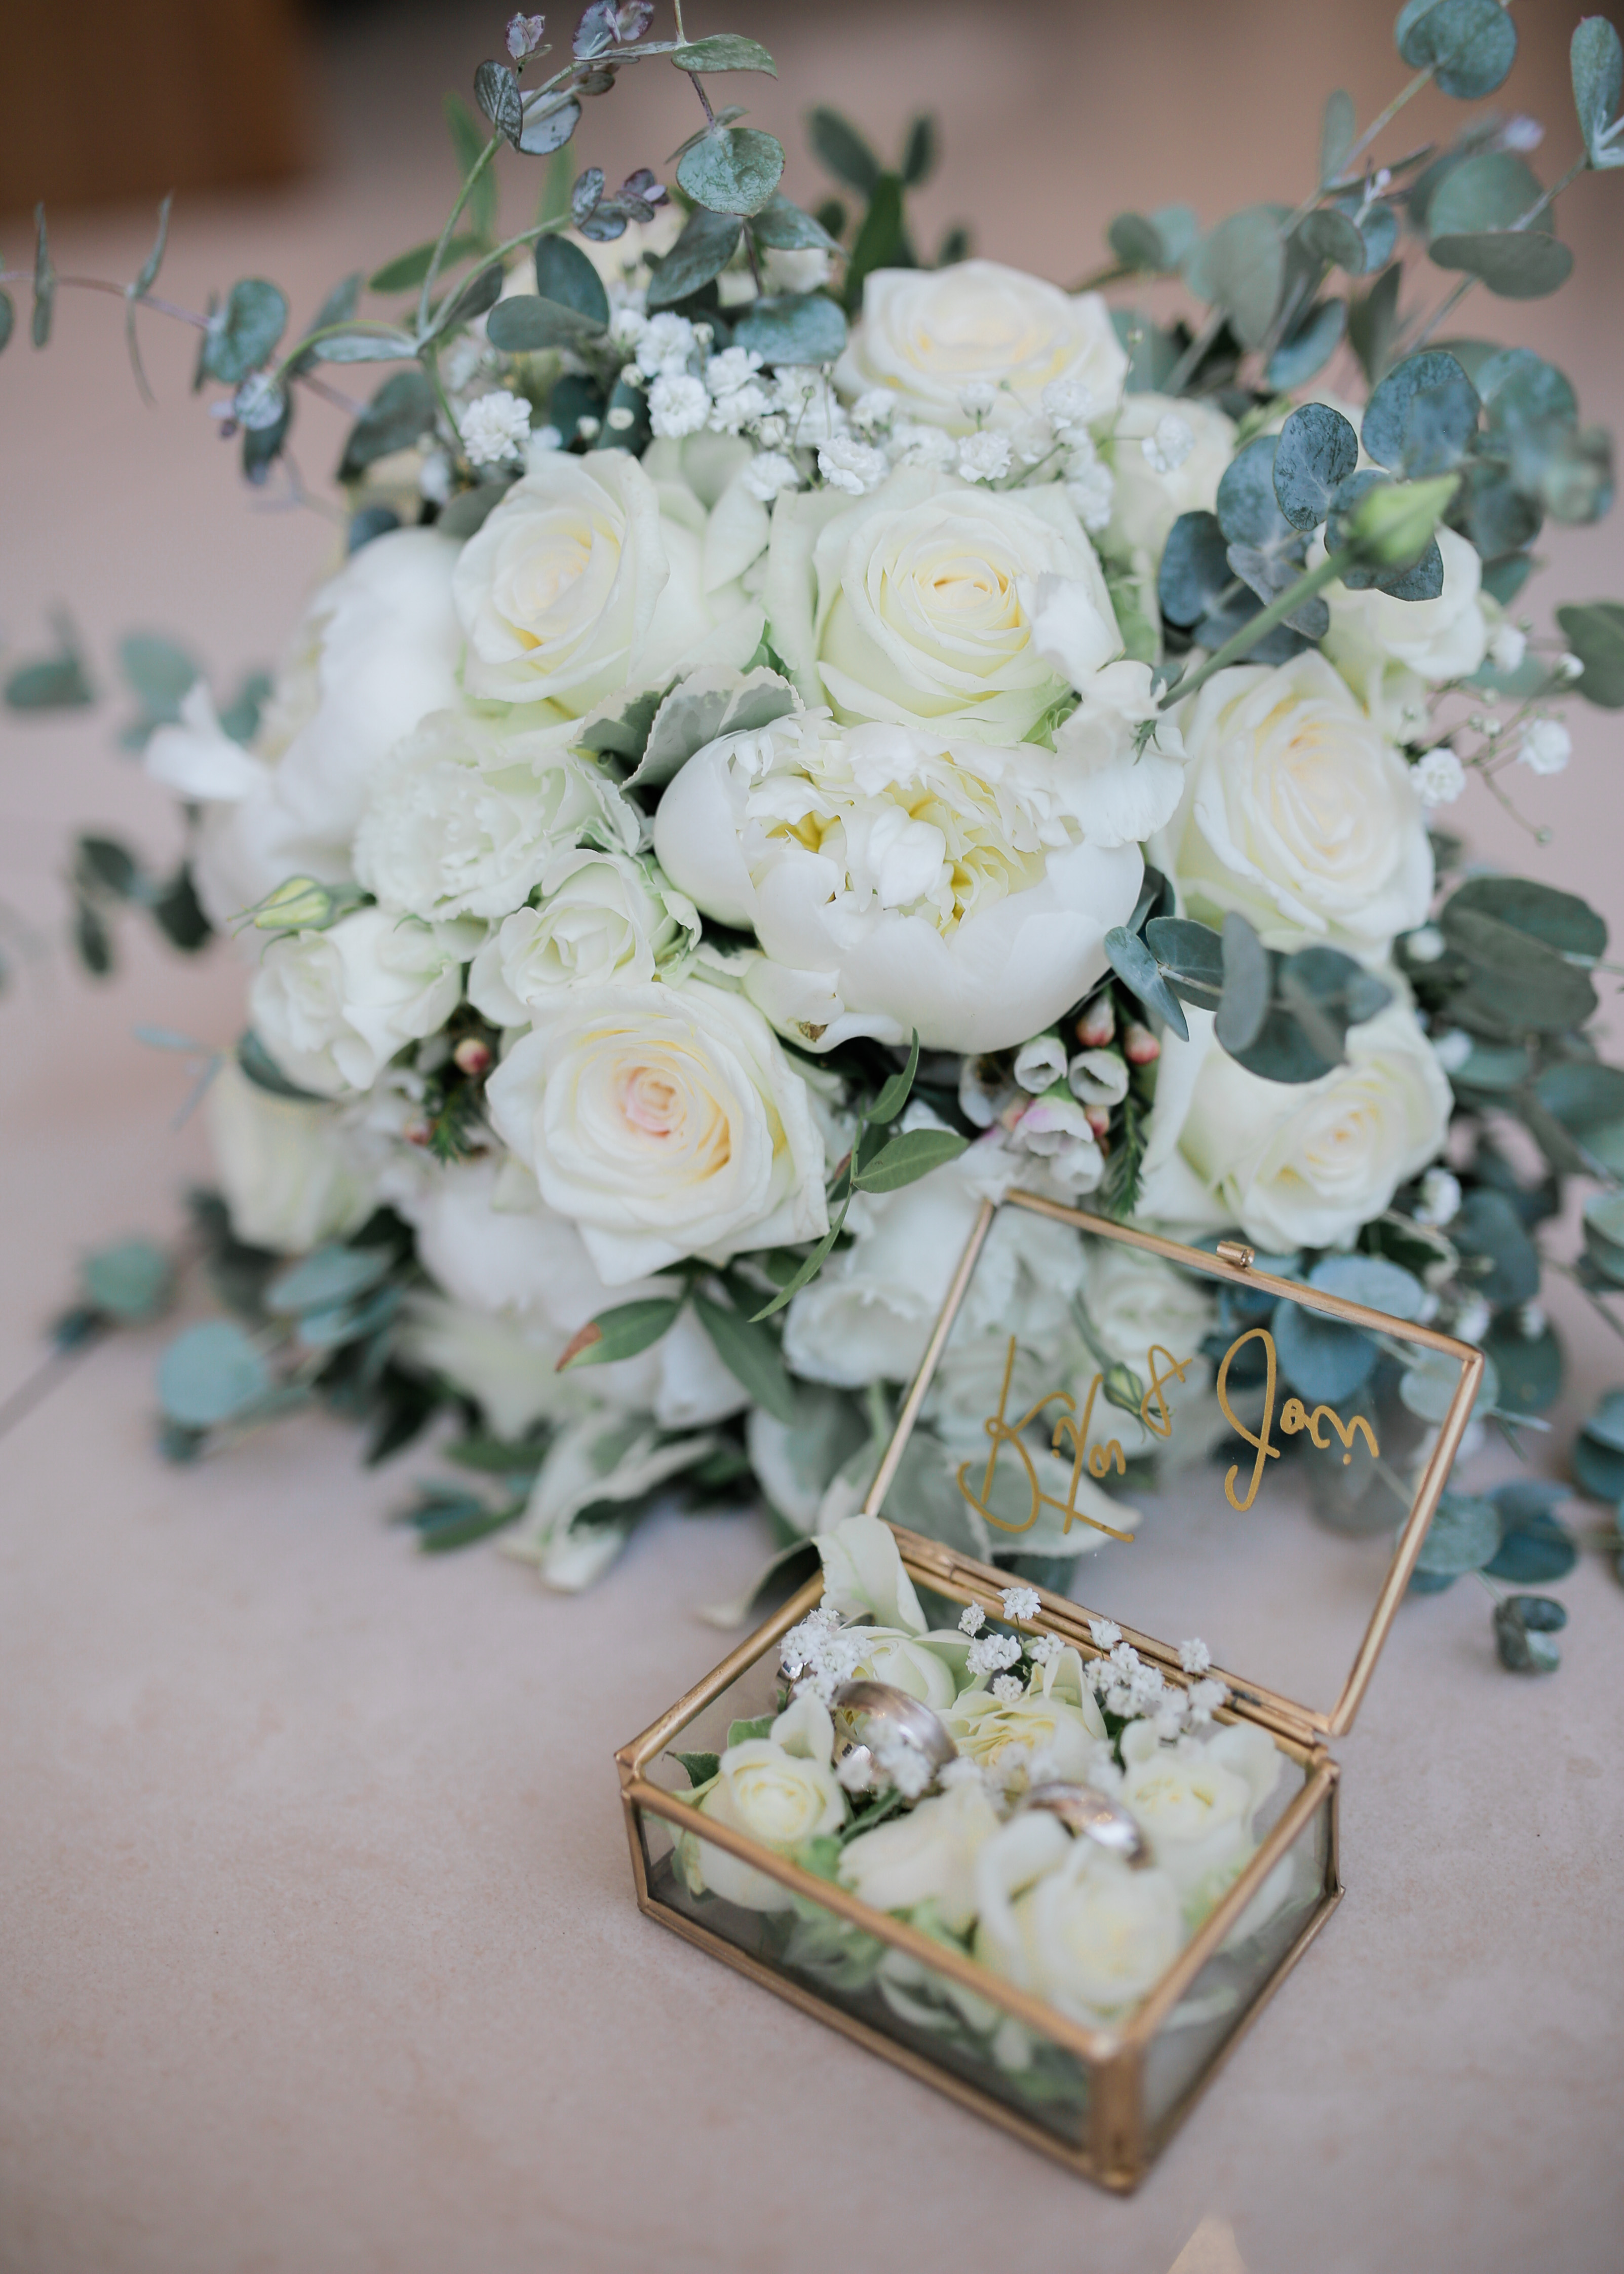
x,y
1241,1456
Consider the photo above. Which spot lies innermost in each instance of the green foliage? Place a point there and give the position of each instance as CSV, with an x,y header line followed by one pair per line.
x,y
1317,450
406,272
241,335
750,1353
1420,421
906,1158
842,149
326,1278
882,240
565,276
1240,267
44,282
549,126
725,51
402,410
797,327
496,91
622,1332
1523,1627
734,170
1471,44
1338,133
52,682
131,1281
1514,264
708,243
1372,323
1491,190
1310,346
468,144
701,1767
525,323
1595,632
1156,244
211,1373
1463,1535
1136,969
1597,61
784,227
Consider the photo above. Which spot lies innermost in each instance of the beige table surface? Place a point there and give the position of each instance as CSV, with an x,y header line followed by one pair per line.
x,y
317,1943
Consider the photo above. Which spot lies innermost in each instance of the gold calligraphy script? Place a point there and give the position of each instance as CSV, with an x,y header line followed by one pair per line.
x,y
1101,1457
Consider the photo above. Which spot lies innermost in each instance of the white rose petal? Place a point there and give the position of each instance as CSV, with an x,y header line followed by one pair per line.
x,y
587,579
1391,650
601,917
1296,811
292,1174
1155,482
931,334
332,1007
665,1121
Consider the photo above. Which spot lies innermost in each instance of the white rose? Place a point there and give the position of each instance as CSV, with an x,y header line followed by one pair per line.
x,y
926,1856
377,651
601,916
1297,812
1390,652
527,1272
465,819
667,1122
1196,1803
907,1663
895,880
1296,1165
1135,1301
909,604
864,1578
1146,498
780,1790
929,334
291,1174
1063,1730
1059,1918
587,579
332,1007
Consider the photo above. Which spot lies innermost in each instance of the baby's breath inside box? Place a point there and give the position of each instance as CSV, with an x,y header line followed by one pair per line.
x,y
1078,1999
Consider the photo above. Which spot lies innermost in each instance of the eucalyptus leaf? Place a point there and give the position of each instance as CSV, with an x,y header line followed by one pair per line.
x,y
241,335
784,227
882,240
806,1270
1605,1424
1377,224
1514,264
1560,920
469,510
919,152
1463,1535
1190,957
1248,510
401,412
1317,450
1338,133
1595,632
750,1353
524,323
384,346
1598,61
159,673
725,51
904,1159
1243,1003
8,318
1372,1281
1240,267
209,1373
327,1277
567,277
794,328
706,245
548,127
1136,967
734,170
496,91
406,272
1536,1545
1598,1469
1372,323
1282,1051
1423,580
1472,44
1582,1094
1325,1361
56,682
1137,243
1422,418
1489,1232
131,1281
1489,191
1529,1368
1195,572
1603,1234
1309,347
1331,238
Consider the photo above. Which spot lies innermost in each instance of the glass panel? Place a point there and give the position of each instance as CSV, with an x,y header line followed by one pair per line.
x,y
1233,1979
1221,1462
913,2005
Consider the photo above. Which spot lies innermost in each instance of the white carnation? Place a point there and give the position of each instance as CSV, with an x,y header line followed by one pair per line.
x,y
332,1007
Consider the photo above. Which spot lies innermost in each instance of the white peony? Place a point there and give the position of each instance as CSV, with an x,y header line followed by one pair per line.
x,y
1390,652
1150,492
291,1174
667,1122
909,604
377,651
465,818
931,334
1298,811
587,579
779,1789
896,880
600,916
332,1007
1296,1165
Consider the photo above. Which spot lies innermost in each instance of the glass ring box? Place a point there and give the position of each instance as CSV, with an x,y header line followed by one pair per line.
x,y
1176,1406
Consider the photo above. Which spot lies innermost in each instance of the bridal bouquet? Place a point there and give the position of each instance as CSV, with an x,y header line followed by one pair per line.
x,y
803,739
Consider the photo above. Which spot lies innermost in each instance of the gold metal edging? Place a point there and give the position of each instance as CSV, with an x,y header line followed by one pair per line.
x,y
633,1759
934,1349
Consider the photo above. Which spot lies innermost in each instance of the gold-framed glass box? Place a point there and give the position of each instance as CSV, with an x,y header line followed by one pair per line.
x,y
1287,1542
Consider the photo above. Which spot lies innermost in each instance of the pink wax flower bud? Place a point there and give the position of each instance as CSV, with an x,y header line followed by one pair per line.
x,y
1098,1024
471,1056
1139,1046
